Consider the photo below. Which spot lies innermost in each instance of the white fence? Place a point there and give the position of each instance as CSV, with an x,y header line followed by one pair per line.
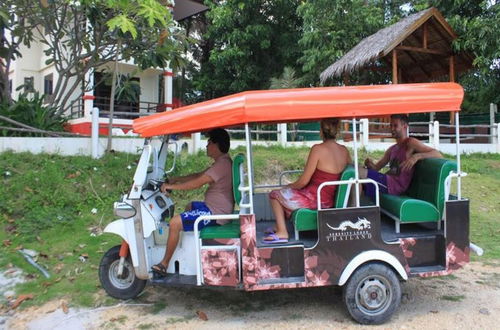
x,y
370,136
83,145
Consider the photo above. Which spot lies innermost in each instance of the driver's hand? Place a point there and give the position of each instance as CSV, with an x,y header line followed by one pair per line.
x,y
165,188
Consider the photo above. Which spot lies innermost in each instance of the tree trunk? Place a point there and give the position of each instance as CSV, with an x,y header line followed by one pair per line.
x,y
112,100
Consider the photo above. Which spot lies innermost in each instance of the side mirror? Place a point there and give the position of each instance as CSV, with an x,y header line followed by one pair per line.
x,y
124,210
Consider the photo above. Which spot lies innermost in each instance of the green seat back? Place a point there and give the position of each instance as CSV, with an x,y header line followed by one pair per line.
x,y
428,181
237,161
347,174
306,219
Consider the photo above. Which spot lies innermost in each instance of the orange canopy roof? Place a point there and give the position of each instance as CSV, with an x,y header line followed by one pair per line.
x,y
305,104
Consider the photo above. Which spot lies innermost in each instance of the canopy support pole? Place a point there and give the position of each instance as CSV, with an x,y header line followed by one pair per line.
x,y
459,170
451,60
356,170
248,144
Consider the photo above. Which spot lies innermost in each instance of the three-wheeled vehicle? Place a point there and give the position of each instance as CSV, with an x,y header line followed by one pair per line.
x,y
367,248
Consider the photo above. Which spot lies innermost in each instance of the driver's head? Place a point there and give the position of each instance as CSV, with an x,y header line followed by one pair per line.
x,y
399,125
219,137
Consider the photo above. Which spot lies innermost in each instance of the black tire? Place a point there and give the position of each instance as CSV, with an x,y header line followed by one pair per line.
x,y
372,294
127,287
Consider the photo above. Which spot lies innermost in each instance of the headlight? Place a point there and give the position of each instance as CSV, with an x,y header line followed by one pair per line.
x,y
124,210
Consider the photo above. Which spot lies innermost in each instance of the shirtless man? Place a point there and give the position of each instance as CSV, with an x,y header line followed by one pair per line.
x,y
401,158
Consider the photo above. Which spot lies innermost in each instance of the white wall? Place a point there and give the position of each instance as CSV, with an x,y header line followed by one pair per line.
x,y
82,145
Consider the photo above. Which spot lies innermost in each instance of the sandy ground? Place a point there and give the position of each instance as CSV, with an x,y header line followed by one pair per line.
x,y
469,299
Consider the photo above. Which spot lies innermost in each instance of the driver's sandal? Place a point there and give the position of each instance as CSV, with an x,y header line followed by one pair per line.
x,y
159,269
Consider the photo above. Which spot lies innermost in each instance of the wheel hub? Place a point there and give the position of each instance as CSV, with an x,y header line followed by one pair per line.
x,y
373,295
124,280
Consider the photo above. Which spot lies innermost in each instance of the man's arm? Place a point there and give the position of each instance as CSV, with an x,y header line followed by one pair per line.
x,y
191,184
419,151
380,164
181,179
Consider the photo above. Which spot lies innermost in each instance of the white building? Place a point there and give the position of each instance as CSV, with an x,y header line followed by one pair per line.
x,y
32,71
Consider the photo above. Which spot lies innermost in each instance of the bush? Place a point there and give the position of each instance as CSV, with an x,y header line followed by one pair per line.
x,y
33,112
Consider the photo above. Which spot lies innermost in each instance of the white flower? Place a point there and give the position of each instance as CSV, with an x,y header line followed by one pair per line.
x,y
129,167
93,211
7,173
95,168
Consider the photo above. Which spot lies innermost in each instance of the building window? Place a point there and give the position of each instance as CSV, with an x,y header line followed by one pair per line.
x,y
48,82
29,84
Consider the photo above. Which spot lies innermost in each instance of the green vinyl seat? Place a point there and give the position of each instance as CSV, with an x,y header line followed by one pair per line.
x,y
306,219
425,198
228,230
232,228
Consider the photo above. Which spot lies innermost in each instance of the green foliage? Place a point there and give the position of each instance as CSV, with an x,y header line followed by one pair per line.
x,y
247,43
331,28
33,112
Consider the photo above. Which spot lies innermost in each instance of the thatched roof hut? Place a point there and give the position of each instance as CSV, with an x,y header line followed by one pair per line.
x,y
418,48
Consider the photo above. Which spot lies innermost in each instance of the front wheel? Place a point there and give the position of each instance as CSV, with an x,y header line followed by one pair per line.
x,y
127,285
372,294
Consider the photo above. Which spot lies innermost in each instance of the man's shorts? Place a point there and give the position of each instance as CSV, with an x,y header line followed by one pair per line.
x,y
189,217
381,180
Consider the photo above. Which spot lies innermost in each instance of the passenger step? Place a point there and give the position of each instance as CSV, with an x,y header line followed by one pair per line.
x,y
426,269
175,280
282,280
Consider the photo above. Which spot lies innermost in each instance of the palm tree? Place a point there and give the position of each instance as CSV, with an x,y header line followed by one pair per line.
x,y
287,80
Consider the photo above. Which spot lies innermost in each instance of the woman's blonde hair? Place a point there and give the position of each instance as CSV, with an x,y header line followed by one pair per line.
x,y
329,128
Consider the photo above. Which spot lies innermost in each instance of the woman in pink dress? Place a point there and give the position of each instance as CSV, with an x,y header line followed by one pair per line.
x,y
325,162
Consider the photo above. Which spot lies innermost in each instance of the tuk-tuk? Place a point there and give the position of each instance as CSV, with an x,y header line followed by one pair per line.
x,y
366,248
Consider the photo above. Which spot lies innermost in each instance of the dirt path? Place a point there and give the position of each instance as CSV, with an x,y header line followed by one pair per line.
x,y
469,299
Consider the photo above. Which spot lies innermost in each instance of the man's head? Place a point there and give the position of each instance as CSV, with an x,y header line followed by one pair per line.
x,y
218,142
399,126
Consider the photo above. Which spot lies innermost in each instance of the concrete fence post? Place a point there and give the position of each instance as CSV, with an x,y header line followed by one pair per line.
x,y
435,134
282,134
498,136
365,133
431,133
493,131
95,133
195,142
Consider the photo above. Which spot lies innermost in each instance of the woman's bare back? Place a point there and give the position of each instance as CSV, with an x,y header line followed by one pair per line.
x,y
333,157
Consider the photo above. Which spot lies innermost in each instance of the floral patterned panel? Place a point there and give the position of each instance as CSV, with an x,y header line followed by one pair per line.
x,y
220,267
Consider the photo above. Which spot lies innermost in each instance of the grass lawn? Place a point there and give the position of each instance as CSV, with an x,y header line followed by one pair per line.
x,y
57,206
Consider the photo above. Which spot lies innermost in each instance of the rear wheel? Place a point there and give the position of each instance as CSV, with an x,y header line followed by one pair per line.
x,y
372,294
127,285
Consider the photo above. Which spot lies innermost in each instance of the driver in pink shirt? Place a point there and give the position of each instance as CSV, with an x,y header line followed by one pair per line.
x,y
218,197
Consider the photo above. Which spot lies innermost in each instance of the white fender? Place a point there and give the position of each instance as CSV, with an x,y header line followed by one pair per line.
x,y
148,223
125,229
372,255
